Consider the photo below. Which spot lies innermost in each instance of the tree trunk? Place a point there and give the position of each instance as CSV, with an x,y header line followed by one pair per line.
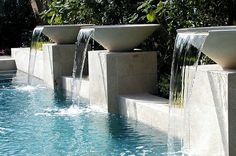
x,y
37,6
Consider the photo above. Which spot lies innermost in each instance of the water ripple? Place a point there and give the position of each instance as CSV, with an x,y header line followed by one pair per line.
x,y
40,121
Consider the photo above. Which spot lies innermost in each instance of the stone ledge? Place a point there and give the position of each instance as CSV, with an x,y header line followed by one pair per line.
x,y
7,63
67,85
149,109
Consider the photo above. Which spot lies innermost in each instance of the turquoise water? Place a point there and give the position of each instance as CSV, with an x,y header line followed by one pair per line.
x,y
35,120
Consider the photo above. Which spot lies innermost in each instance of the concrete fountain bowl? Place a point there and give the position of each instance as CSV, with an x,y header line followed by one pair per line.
x,y
220,44
122,38
63,34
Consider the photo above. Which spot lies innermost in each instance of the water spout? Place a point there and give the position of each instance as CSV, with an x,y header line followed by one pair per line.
x,y
37,32
82,44
187,53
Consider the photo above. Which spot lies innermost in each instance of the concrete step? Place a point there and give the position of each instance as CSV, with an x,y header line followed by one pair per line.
x,y
7,63
149,109
67,82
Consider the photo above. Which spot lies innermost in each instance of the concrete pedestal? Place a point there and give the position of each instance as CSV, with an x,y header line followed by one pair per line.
x,y
212,112
58,61
113,73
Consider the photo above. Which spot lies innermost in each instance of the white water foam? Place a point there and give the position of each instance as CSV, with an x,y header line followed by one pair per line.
x,y
73,110
29,88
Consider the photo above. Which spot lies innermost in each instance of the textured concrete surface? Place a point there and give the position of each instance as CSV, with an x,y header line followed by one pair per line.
x,y
55,61
21,56
7,63
211,112
112,74
149,109
58,61
67,82
50,64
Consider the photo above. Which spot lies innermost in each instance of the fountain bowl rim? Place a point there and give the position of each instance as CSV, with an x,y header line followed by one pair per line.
x,y
207,29
122,26
66,25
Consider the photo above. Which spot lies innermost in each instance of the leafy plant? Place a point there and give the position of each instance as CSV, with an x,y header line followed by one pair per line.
x,y
175,14
89,11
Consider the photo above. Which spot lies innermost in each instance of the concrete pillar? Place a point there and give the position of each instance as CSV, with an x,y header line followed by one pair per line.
x,y
212,112
58,61
116,73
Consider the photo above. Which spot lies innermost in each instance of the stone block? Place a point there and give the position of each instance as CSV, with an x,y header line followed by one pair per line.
x,y
211,111
21,56
114,73
58,62
146,108
7,63
67,82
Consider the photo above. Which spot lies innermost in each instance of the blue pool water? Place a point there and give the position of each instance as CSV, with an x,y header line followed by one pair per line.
x,y
35,120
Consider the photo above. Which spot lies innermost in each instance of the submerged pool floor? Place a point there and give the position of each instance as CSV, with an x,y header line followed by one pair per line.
x,y
35,120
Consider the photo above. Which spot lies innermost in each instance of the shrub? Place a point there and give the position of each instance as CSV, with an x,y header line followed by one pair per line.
x,y
89,11
175,14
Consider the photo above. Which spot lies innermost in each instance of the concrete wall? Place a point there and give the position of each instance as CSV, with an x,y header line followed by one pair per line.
x,y
51,64
58,62
146,108
21,56
212,112
113,74
7,63
67,82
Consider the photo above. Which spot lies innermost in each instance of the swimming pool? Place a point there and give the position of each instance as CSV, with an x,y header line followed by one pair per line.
x,y
35,120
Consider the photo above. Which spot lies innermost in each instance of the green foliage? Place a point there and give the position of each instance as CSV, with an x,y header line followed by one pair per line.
x,y
175,14
64,12
39,45
89,11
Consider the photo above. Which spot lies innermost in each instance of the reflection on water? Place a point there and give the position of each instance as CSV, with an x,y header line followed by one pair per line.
x,y
40,122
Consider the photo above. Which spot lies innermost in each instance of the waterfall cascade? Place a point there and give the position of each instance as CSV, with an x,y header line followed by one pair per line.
x,y
82,44
37,32
187,53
